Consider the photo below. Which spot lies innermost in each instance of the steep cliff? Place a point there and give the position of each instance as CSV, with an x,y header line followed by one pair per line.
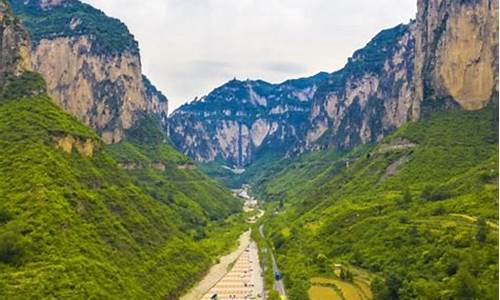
x,y
457,51
157,102
449,54
370,97
14,45
242,120
75,222
91,63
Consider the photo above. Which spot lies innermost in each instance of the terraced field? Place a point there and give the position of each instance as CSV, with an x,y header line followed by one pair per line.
x,y
321,292
329,288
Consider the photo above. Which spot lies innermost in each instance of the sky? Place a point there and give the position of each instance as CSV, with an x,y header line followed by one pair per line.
x,y
190,47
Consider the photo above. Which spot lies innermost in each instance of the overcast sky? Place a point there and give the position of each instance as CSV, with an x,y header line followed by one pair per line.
x,y
189,47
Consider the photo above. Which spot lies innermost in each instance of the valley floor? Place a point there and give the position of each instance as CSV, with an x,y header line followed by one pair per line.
x,y
218,271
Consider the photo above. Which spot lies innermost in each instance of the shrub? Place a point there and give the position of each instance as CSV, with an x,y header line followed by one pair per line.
x,y
11,247
346,275
432,193
482,230
5,216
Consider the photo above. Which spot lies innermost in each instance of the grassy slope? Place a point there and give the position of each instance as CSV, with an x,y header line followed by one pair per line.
x,y
403,228
194,197
78,227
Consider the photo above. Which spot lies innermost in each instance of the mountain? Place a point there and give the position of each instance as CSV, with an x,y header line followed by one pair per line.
x,y
404,210
413,217
370,97
457,52
80,219
15,46
448,57
244,120
92,65
400,75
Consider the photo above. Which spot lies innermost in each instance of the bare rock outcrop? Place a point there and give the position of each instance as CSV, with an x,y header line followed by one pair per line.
x,y
457,51
15,45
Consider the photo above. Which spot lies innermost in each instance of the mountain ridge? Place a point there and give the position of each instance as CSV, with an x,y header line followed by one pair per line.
x,y
245,117
383,86
92,65
75,223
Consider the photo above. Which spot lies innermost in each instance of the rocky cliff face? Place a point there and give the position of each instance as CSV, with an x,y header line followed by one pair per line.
x,y
457,51
370,97
157,102
242,120
14,45
447,57
91,63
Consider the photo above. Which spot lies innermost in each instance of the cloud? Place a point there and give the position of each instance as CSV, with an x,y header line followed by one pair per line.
x,y
189,47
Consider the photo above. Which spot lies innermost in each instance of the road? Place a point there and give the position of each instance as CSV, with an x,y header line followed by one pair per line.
x,y
279,285
238,275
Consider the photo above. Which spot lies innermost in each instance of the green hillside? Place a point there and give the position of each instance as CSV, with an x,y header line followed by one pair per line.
x,y
75,18
417,213
172,178
75,225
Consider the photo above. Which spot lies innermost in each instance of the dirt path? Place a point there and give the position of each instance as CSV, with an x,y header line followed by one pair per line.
x,y
473,220
218,271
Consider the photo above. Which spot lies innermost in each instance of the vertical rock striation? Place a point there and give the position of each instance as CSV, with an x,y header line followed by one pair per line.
x,y
447,57
457,51
15,45
370,97
244,120
92,65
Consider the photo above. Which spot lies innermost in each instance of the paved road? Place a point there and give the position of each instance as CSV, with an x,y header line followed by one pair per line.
x,y
279,285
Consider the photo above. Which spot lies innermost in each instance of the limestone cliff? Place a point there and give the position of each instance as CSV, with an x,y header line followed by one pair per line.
x,y
370,97
244,120
157,102
447,57
457,51
14,45
92,65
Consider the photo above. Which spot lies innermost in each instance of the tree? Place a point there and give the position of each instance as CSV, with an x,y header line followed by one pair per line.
x,y
482,230
11,247
322,262
346,274
405,201
465,286
379,289
281,203
393,283
388,289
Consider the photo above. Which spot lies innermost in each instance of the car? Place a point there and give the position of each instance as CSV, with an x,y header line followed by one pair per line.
x,y
277,275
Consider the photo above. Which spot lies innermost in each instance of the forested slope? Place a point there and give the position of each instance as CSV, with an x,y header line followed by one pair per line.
x,y
418,211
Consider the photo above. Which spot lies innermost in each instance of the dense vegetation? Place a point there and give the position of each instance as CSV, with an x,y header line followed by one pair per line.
x,y
418,212
78,226
74,18
172,178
